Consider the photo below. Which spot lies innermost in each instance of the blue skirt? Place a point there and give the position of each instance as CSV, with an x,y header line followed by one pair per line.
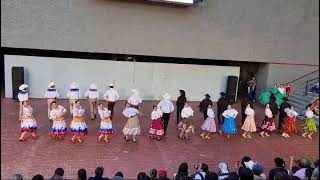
x,y
229,126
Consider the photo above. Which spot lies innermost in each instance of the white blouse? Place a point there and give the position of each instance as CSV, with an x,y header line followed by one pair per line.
x,y
104,113
111,95
27,111
309,114
166,106
249,111
290,112
187,112
73,94
23,96
51,93
130,112
134,100
78,111
91,94
230,113
55,113
156,114
210,113
268,113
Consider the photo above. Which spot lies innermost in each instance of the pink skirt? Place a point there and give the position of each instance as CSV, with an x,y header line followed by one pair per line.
x,y
249,124
209,125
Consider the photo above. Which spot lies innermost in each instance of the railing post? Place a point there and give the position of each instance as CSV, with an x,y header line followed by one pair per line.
x,y
305,92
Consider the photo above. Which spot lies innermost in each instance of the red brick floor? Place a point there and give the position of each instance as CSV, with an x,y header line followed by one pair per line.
x,y
44,155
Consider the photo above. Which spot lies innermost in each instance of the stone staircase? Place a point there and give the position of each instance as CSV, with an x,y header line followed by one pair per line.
x,y
299,101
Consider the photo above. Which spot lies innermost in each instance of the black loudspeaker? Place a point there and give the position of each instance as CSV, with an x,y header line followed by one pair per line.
x,y
17,80
232,88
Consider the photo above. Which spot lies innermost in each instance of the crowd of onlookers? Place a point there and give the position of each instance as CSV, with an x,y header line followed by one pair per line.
x,y
246,169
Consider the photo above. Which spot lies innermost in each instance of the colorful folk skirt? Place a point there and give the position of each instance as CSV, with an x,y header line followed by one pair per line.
x,y
106,126
28,124
289,125
156,127
209,125
78,126
268,124
229,126
310,126
186,125
59,127
249,124
132,127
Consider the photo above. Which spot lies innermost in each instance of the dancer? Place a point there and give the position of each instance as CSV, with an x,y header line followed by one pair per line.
x,y
289,125
156,127
203,106
229,125
244,104
132,127
268,124
186,125
106,123
51,95
180,104
209,125
73,95
111,96
282,113
309,126
78,125
249,124
28,123
92,94
166,107
134,100
222,106
22,96
59,127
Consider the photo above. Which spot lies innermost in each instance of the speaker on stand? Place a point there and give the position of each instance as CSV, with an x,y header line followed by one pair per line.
x,y
232,88
17,80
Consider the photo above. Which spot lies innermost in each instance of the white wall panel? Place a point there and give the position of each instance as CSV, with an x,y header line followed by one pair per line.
x,y
151,79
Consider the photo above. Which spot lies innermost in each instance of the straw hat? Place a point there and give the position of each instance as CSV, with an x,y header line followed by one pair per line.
x,y
93,86
166,96
74,85
23,87
51,84
111,84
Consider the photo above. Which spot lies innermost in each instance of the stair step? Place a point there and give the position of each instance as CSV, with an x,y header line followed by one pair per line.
x,y
301,98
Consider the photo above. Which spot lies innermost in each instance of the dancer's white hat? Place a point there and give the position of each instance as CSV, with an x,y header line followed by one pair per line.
x,y
23,87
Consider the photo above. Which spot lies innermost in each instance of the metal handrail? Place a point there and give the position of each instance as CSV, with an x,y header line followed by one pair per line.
x,y
302,77
307,84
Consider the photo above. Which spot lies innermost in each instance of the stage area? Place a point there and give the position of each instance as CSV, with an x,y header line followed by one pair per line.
x,y
44,155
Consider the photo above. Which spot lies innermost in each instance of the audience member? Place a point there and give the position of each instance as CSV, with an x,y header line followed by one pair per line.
x,y
201,175
162,175
183,173
17,177
153,174
38,177
142,176
302,164
212,176
58,174
245,174
118,176
99,174
82,174
315,173
281,175
280,167
257,170
223,171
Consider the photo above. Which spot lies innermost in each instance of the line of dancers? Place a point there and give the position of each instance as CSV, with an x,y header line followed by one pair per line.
x,y
160,116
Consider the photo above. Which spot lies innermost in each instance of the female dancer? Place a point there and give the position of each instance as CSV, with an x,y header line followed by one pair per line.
x,y
289,122
156,127
309,126
132,127
209,125
229,125
268,124
59,127
106,123
186,125
249,124
28,123
78,125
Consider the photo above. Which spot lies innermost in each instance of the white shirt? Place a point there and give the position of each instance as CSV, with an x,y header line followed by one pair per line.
x,y
51,93
249,111
77,111
282,90
27,111
73,94
104,113
156,114
92,94
23,96
55,113
309,114
210,113
166,106
268,113
111,95
198,177
230,113
130,112
290,112
134,100
186,112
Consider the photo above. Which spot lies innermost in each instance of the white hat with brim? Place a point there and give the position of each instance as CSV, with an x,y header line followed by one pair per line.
x,y
51,84
23,87
166,96
249,164
111,84
93,86
223,167
134,91
74,85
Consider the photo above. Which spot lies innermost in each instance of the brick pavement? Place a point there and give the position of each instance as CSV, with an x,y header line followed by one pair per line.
x,y
44,155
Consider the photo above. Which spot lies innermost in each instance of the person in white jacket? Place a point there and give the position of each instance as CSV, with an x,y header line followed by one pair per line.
x,y
92,94
166,107
111,96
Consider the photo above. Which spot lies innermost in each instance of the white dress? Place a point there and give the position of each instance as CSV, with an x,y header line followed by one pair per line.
x,y
209,124
28,123
78,125
106,123
59,126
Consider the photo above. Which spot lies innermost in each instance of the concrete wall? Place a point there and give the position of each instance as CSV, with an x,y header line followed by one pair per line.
x,y
151,79
242,30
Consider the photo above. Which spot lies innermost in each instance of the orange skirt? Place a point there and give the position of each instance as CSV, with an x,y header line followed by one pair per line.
x,y
289,125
